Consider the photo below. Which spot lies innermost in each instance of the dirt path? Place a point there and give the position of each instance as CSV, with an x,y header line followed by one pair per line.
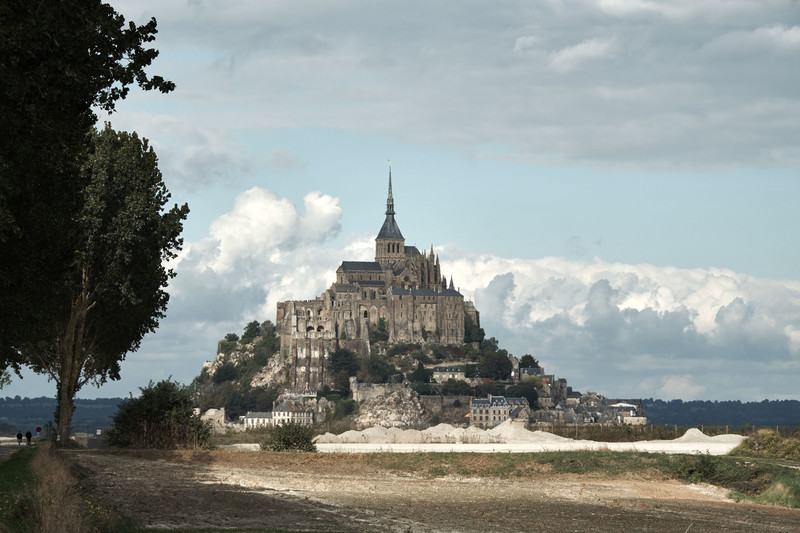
x,y
324,492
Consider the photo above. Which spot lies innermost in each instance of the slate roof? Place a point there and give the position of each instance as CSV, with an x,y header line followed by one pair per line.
x,y
370,283
350,266
390,229
448,369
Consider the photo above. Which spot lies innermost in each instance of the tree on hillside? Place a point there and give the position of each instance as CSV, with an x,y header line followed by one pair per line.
x,y
527,390
495,365
528,361
58,60
420,374
343,364
251,331
112,289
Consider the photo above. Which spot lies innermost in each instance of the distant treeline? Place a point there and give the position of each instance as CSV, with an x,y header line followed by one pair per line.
x,y
28,413
90,415
723,413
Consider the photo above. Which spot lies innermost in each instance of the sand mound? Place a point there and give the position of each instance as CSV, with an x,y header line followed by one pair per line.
x,y
515,436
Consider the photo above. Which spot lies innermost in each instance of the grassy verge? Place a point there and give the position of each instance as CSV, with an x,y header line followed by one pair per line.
x,y
40,490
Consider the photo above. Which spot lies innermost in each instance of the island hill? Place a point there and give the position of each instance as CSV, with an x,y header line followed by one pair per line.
x,y
396,338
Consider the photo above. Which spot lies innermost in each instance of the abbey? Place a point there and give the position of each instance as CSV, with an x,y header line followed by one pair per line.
x,y
402,294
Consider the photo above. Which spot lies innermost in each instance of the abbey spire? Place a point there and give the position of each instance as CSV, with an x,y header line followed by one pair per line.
x,y
390,244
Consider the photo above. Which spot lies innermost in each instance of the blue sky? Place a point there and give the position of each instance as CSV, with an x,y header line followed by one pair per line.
x,y
614,183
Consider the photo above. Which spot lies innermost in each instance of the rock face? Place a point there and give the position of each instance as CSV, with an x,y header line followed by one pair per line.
x,y
387,405
272,374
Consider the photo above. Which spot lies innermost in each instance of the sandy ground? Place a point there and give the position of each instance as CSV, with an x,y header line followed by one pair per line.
x,y
239,490
342,492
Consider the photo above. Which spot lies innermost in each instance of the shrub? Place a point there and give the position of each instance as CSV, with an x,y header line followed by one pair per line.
x,y
162,417
768,443
226,372
344,408
290,437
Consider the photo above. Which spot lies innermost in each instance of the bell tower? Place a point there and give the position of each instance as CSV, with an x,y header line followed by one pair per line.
x,y
390,244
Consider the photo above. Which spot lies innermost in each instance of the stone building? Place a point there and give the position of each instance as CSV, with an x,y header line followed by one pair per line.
x,y
402,294
494,410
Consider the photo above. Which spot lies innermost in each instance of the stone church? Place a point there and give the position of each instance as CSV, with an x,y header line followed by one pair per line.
x,y
402,293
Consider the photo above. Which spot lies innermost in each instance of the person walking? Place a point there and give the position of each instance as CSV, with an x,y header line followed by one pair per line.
x,y
28,436
19,438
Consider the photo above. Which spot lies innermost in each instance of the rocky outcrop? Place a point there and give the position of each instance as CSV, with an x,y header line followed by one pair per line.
x,y
387,405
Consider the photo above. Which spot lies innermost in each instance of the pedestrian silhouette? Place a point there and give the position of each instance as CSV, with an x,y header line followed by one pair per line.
x,y
28,436
19,438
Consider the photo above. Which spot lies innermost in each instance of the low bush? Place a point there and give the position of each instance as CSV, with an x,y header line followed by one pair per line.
x,y
768,443
290,437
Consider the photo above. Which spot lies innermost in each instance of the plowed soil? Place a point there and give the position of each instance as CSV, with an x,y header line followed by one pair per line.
x,y
237,490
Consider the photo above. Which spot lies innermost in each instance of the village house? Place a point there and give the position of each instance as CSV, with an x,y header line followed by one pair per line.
x,y
292,411
442,373
494,410
257,419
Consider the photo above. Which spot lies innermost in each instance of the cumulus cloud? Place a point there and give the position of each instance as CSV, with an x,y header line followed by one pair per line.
x,y
640,330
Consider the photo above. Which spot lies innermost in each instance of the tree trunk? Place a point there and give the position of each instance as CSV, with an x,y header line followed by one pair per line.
x,y
71,360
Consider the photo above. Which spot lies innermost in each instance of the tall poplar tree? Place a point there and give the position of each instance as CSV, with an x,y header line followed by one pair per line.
x,y
59,60
114,289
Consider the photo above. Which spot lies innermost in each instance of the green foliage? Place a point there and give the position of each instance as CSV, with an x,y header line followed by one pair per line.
x,y
379,333
231,337
376,369
424,389
226,347
768,443
406,348
237,399
526,389
528,361
344,408
290,437
60,231
453,387
265,348
225,372
161,417
115,280
344,360
495,365
251,331
421,374
473,333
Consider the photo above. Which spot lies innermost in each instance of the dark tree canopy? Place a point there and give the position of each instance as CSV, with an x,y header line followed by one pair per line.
x,y
58,60
495,366
251,331
528,361
112,289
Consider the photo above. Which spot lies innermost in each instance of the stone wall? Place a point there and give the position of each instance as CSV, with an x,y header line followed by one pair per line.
x,y
434,404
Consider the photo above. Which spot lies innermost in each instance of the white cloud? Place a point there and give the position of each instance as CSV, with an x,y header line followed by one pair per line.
x,y
572,57
617,327
261,221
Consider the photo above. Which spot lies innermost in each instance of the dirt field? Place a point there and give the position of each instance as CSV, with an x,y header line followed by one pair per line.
x,y
341,492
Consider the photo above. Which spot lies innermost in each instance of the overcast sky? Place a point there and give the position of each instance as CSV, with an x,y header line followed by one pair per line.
x,y
614,183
